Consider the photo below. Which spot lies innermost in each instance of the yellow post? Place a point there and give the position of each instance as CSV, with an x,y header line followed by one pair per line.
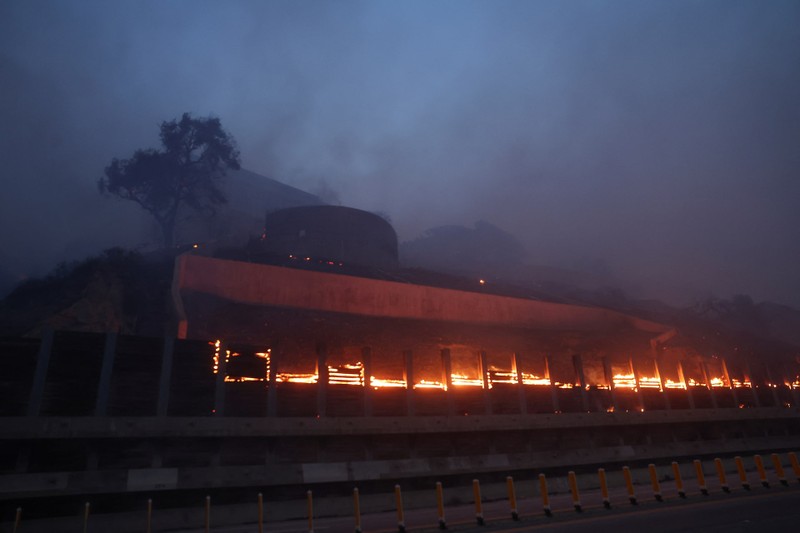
x,y
626,473
440,505
476,493
149,515
512,498
208,514
776,462
795,465
86,517
310,510
17,519
701,478
260,513
723,481
654,482
573,488
676,472
545,497
356,510
601,473
398,502
762,474
742,473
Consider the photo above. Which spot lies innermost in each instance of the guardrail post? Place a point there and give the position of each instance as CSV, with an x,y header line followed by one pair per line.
x,y
654,482
762,474
795,465
149,515
676,472
17,519
601,474
357,510
86,508
723,481
310,510
742,473
398,501
440,505
545,496
476,493
701,478
573,488
512,498
626,473
207,514
776,462
260,513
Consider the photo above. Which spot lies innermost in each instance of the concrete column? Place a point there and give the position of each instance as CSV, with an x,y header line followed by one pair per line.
x,y
165,377
219,386
104,387
40,375
523,400
408,376
661,380
682,378
272,391
727,377
770,377
447,379
636,377
609,373
577,364
487,399
553,389
749,371
366,360
707,379
322,377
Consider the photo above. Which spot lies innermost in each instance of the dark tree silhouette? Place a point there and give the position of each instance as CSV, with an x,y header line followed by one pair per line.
x,y
196,155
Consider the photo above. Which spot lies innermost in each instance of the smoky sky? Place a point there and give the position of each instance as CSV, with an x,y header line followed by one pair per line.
x,y
660,139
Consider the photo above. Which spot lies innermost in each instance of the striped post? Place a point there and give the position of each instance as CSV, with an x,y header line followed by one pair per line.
x,y
260,513
440,505
357,510
512,498
742,473
701,478
573,488
795,465
86,508
626,473
398,502
545,496
776,462
723,481
476,493
601,474
676,472
654,482
310,510
762,474
208,514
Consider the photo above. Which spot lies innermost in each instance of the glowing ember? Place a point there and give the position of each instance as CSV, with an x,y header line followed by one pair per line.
x,y
285,377
348,374
624,381
533,379
425,384
694,383
650,383
461,380
377,383
669,384
741,384
717,382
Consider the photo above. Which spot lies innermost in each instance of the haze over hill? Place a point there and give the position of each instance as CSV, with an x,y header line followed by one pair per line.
x,y
658,139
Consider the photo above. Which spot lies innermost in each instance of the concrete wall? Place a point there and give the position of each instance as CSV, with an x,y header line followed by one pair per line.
x,y
257,284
